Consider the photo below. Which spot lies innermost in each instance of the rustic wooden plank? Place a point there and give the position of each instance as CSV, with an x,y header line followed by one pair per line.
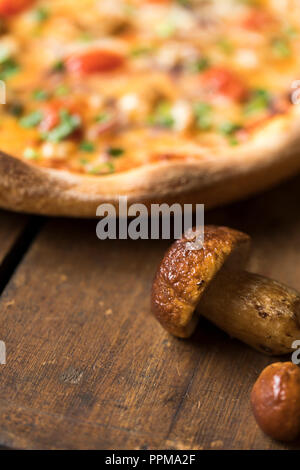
x,y
88,367
80,338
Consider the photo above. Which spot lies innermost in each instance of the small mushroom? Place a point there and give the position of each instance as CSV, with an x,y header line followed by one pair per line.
x,y
275,400
212,282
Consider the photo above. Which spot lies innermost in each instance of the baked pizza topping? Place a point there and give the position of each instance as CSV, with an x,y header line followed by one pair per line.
x,y
102,86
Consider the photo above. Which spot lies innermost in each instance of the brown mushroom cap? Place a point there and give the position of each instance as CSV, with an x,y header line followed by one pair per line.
x,y
275,401
183,276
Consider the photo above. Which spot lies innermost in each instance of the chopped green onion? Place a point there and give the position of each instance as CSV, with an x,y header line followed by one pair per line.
x,y
292,32
184,3
8,68
41,14
281,48
226,46
58,66
31,154
115,151
233,140
86,146
200,65
166,29
203,115
84,161
62,90
228,129
104,168
140,51
31,120
258,102
162,116
15,109
68,124
85,36
102,117
40,95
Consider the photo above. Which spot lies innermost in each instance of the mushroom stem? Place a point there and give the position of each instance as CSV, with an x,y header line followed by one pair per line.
x,y
259,311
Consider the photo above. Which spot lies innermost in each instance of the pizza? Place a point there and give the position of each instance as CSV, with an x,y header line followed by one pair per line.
x,y
158,100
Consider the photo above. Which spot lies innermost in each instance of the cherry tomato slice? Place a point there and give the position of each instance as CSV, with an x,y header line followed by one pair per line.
x,y
13,7
224,82
257,20
96,61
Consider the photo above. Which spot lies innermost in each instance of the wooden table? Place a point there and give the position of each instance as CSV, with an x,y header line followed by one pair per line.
x,y
87,365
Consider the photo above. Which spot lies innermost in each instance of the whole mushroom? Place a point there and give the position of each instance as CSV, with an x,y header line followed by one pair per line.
x,y
275,401
212,282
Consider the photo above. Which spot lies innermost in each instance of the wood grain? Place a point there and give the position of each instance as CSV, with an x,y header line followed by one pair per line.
x,y
88,366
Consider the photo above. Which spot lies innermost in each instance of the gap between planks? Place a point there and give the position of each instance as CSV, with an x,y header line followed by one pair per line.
x,y
18,250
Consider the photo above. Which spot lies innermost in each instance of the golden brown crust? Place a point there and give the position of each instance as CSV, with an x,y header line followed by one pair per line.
x,y
275,401
183,276
269,157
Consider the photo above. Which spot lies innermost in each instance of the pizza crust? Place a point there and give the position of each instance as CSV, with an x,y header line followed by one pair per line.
x,y
270,156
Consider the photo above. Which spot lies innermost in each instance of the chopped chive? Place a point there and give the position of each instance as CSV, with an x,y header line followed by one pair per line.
x,y
31,120
62,90
203,115
86,146
104,168
115,151
31,154
166,29
102,117
162,116
229,128
259,101
226,46
8,68
140,51
281,48
292,32
69,123
41,14
15,109
233,140
184,3
200,65
40,95
85,36
58,66
83,161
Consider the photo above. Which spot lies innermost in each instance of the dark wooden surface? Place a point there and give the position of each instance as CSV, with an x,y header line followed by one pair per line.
x,y
87,365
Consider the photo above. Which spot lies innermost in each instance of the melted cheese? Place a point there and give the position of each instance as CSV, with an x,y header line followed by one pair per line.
x,y
161,100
